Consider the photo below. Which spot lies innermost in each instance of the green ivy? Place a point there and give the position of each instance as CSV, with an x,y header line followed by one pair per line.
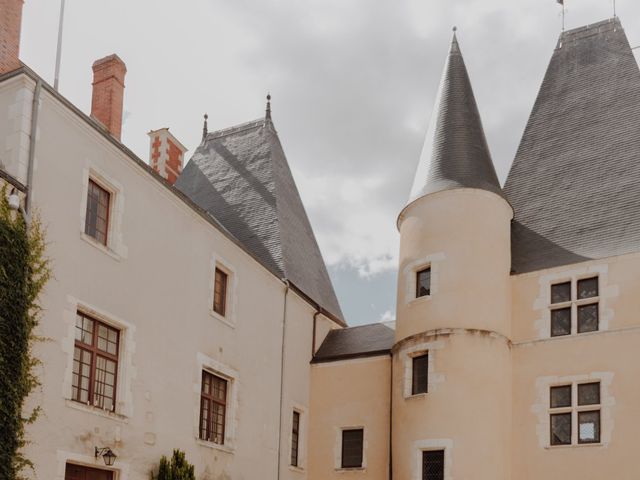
x,y
24,270
175,469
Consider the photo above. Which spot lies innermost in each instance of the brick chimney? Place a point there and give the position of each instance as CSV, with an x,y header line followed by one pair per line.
x,y
108,93
166,154
10,25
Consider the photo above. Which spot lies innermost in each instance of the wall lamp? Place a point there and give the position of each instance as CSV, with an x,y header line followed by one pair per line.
x,y
107,455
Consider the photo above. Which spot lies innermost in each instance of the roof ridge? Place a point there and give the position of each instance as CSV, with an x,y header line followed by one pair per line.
x,y
235,129
589,30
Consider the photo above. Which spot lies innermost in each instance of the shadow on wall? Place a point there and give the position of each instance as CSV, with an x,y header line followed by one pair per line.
x,y
531,251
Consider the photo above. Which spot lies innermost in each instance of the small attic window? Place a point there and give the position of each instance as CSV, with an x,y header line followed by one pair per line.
x,y
423,283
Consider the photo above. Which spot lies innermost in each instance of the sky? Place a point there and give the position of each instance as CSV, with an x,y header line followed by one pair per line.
x,y
353,85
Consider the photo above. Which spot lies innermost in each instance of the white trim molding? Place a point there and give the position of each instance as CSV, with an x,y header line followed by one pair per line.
x,y
435,378
337,450
410,271
426,445
126,351
115,239
230,317
232,377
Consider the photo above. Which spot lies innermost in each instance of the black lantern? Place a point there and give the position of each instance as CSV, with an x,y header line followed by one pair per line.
x,y
107,455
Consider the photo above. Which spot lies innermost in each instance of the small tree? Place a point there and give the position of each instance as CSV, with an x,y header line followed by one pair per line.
x,y
175,469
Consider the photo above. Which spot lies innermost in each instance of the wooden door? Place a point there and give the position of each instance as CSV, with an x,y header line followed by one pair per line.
x,y
78,472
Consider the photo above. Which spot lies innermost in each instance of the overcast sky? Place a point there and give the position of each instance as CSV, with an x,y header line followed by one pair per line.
x,y
353,85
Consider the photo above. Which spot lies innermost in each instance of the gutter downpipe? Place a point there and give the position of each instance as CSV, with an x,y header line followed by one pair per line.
x,y
284,324
26,211
391,420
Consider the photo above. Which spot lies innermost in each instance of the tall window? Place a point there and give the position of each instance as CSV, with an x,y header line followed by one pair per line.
x,y
574,307
565,412
420,374
295,438
97,217
433,465
213,407
423,283
352,448
95,363
220,292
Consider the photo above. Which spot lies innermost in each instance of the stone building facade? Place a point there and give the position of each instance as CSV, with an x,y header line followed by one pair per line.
x,y
191,307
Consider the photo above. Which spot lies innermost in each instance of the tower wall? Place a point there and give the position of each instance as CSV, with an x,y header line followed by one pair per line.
x,y
463,235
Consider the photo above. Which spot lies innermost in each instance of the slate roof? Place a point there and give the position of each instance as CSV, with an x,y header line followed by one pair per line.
x,y
363,341
241,177
455,153
575,181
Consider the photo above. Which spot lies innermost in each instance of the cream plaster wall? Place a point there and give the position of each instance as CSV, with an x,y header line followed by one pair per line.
x,y
154,281
350,393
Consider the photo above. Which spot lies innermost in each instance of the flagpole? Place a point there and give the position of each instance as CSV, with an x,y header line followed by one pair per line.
x,y
56,80
563,14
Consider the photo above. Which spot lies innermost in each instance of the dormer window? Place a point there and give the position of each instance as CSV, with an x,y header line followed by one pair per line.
x,y
423,283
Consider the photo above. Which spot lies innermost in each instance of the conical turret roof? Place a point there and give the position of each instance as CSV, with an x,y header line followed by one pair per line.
x,y
455,153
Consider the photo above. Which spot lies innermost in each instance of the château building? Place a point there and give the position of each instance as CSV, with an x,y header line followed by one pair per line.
x,y
191,308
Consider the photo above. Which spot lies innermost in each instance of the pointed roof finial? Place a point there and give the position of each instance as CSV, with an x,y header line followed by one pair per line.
x,y
205,128
455,48
267,115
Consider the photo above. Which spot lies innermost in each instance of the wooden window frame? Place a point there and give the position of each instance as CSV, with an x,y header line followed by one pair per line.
x,y
96,352
295,438
415,388
574,304
220,308
574,410
93,184
353,465
211,400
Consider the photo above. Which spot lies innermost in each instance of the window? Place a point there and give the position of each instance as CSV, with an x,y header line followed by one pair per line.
x,y
295,438
420,374
97,217
433,465
574,311
78,472
213,407
352,446
585,412
95,363
423,283
220,292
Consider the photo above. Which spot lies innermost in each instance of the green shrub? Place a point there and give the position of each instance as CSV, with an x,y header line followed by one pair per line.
x,y
175,469
23,273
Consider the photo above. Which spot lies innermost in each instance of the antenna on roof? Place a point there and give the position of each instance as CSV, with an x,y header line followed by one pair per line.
x,y
205,128
564,11
614,8
56,80
267,115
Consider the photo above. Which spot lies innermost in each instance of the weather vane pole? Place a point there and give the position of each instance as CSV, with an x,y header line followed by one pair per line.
x,y
56,80
614,8
561,2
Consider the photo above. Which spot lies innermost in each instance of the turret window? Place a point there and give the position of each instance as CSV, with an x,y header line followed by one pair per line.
x,y
575,307
423,283
433,465
420,373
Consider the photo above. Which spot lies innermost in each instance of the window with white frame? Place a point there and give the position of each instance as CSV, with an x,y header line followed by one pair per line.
x,y
574,414
574,307
213,408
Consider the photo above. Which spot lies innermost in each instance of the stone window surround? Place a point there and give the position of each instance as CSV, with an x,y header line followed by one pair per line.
x,y
542,408
120,469
126,370
410,272
434,377
230,317
426,445
221,370
606,293
115,246
302,436
338,448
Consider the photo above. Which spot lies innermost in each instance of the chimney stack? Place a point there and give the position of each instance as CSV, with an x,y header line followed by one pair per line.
x,y
108,93
10,26
166,154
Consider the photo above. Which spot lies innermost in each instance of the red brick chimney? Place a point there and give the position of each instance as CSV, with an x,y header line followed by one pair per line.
x,y
10,24
108,93
167,154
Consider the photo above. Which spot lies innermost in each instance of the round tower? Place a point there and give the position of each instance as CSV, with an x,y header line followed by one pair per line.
x,y
451,361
